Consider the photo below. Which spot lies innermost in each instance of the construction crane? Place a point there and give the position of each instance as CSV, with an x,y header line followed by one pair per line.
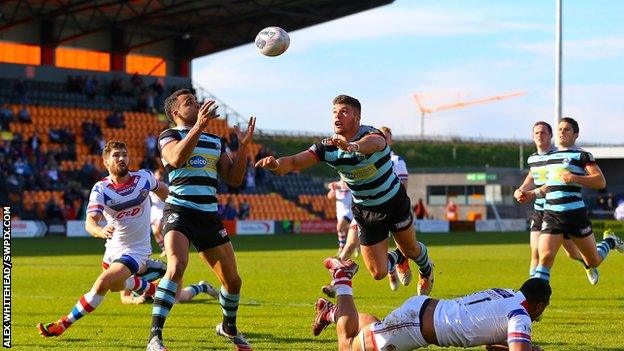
x,y
459,104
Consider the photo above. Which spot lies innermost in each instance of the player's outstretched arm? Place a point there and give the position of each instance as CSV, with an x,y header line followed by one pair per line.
x,y
367,145
233,171
287,164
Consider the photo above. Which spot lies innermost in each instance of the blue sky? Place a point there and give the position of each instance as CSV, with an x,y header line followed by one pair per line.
x,y
445,50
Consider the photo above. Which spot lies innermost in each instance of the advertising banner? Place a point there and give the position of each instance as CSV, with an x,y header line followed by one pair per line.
x,y
28,229
255,227
432,226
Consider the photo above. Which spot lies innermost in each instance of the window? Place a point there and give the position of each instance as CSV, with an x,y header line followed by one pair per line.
x,y
146,65
436,195
82,59
475,194
20,53
458,193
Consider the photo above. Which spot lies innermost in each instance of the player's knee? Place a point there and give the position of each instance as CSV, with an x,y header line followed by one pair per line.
x,y
233,284
379,274
176,269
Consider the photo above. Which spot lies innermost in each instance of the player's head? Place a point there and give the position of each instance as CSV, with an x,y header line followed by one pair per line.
x,y
181,107
567,131
115,157
387,132
346,112
542,134
537,293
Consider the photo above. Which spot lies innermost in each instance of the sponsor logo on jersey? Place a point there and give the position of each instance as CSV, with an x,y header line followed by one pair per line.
x,y
586,230
362,173
129,213
202,161
404,222
173,217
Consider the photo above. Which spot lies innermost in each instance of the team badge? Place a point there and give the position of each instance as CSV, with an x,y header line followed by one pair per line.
x,y
172,218
144,193
223,233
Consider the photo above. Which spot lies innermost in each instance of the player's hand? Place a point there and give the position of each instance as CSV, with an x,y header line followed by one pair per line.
x,y
269,163
138,300
206,112
341,143
567,177
526,196
244,138
518,195
107,232
333,186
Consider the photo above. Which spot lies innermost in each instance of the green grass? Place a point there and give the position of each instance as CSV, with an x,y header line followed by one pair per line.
x,y
282,276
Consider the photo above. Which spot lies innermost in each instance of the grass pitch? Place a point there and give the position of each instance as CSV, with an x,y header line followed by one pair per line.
x,y
282,276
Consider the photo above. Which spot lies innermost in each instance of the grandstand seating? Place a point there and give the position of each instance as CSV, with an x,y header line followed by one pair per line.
x,y
268,207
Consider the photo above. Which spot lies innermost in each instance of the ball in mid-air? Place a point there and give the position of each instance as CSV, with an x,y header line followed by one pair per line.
x,y
272,41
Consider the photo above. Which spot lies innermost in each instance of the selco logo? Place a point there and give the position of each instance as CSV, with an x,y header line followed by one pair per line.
x,y
197,162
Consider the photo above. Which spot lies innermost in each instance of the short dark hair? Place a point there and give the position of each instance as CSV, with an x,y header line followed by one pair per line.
x,y
348,100
542,123
573,122
112,145
171,102
536,290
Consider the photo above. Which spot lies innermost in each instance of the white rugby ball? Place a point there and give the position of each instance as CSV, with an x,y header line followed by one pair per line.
x,y
272,41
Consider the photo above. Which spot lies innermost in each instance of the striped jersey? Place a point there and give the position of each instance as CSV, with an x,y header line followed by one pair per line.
x,y
193,185
127,208
486,317
371,178
538,169
400,167
561,196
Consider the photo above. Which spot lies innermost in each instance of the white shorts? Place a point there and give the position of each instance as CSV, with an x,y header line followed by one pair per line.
x,y
343,213
400,330
134,261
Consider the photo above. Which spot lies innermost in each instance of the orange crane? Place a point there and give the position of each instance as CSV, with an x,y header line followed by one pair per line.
x,y
459,104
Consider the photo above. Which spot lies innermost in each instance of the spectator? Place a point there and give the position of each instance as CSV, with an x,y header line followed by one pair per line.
x,y
451,211
420,211
115,119
150,144
229,212
55,136
19,92
243,210
34,142
91,87
250,176
6,117
23,115
53,211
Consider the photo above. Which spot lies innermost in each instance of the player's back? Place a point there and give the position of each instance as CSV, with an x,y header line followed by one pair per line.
x,y
481,318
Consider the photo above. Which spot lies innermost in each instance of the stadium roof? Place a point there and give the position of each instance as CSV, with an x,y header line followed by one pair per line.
x,y
197,28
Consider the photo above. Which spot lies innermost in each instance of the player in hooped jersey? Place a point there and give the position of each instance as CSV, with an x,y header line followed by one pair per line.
x,y
500,319
569,168
361,156
122,199
538,163
193,158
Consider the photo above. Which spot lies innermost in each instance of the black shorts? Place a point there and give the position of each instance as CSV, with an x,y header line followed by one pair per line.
x,y
536,221
203,229
569,223
376,222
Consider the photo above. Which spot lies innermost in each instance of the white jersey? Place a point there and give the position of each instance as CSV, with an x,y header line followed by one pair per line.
x,y
399,166
126,207
619,212
158,206
486,317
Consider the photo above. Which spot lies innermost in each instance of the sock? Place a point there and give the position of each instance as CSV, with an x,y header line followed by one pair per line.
x,y
342,240
542,272
85,305
604,247
140,285
163,302
424,265
196,289
583,263
229,306
532,271
342,283
394,258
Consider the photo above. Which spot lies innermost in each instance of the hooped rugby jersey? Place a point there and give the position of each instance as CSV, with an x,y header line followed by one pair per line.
x,y
127,208
538,169
194,185
486,317
371,178
562,196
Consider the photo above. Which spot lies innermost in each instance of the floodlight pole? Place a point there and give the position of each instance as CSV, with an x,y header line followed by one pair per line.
x,y
558,56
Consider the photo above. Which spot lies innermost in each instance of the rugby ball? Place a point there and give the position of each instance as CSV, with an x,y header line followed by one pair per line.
x,y
272,41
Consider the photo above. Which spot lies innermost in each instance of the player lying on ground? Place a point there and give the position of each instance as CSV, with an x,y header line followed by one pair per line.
x,y
122,199
499,318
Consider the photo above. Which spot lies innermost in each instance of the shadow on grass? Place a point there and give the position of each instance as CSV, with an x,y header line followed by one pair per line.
x,y
57,246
